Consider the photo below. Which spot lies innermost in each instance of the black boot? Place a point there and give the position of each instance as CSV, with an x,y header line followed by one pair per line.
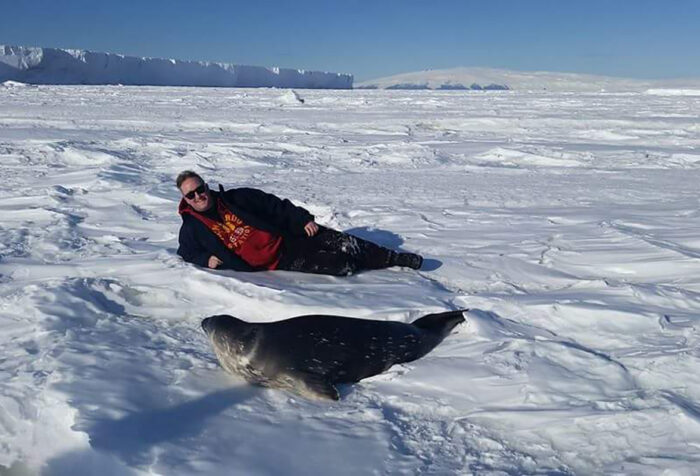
x,y
409,260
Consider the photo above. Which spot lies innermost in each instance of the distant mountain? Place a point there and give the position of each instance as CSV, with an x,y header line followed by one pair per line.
x,y
501,79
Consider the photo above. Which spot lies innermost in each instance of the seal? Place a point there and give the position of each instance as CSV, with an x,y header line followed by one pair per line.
x,y
309,355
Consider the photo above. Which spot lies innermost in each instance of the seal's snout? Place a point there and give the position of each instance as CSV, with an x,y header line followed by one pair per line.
x,y
207,325
222,322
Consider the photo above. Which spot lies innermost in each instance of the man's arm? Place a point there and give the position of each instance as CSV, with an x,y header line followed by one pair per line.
x,y
282,212
193,250
190,250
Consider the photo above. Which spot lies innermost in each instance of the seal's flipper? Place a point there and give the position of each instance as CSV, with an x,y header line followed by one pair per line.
x,y
313,385
432,329
442,322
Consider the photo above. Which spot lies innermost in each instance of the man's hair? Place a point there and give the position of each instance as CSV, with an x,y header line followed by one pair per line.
x,y
184,175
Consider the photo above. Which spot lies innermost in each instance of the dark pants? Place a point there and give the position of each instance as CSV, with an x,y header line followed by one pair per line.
x,y
333,252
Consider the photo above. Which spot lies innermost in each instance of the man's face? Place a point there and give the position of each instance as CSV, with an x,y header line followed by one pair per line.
x,y
201,202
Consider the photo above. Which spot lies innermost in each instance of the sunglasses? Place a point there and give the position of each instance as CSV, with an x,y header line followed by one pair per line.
x,y
199,191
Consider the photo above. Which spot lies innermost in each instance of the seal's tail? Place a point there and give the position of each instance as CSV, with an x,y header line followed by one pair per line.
x,y
442,322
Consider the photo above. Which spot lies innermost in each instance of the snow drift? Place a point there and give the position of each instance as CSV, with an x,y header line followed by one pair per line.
x,y
68,66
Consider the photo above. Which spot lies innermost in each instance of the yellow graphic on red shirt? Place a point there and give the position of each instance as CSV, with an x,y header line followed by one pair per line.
x,y
233,232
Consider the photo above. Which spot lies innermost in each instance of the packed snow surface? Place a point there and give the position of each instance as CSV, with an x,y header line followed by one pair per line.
x,y
568,223
67,66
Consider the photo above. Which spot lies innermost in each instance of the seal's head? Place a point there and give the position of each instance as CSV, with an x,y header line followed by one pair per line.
x,y
226,326
233,341
211,324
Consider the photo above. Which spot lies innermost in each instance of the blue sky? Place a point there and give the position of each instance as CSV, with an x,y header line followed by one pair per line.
x,y
629,38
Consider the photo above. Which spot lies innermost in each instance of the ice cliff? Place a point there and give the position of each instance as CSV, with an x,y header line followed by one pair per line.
x,y
66,66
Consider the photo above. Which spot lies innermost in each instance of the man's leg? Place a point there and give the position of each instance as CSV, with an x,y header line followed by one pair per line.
x,y
307,259
336,253
367,255
373,256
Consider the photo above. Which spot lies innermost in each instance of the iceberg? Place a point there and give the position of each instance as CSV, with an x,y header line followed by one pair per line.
x,y
34,65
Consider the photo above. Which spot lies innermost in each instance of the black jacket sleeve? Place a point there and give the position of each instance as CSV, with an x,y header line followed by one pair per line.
x,y
280,212
190,250
197,244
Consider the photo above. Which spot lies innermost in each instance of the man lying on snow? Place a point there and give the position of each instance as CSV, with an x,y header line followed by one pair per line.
x,y
245,229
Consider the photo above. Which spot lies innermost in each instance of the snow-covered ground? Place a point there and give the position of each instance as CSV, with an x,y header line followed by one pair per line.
x,y
568,223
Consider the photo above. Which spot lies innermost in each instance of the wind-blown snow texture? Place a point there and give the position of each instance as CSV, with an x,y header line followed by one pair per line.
x,y
568,223
60,66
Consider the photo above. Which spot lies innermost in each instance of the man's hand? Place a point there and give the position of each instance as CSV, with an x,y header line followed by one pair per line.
x,y
311,228
214,262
